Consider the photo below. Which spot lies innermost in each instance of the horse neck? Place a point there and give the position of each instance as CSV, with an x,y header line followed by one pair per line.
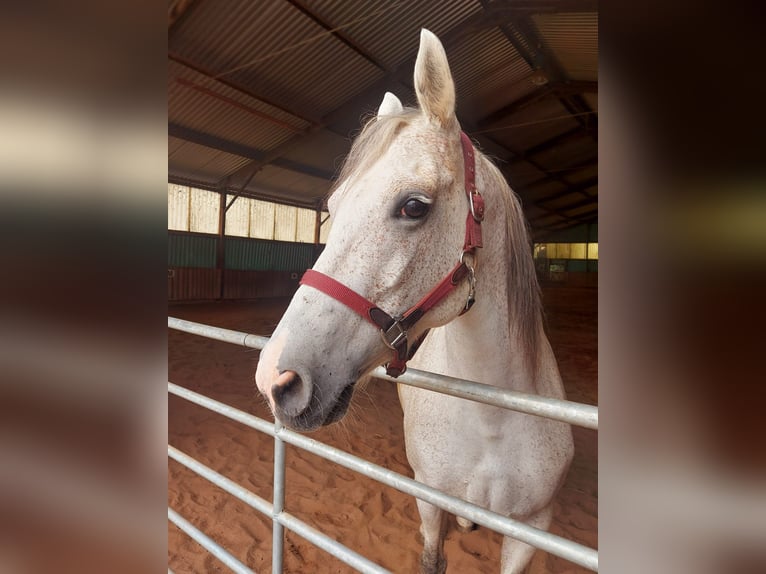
x,y
481,345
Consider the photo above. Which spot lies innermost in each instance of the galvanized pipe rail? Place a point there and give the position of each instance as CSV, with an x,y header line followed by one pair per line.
x,y
569,412
208,543
566,411
282,518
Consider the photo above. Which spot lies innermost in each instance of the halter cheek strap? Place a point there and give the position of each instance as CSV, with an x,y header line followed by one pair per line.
x,y
393,329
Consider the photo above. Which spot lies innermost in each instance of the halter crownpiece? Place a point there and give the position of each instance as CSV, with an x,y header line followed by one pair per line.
x,y
393,329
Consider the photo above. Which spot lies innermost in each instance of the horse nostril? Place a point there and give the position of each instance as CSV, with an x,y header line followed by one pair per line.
x,y
290,393
286,381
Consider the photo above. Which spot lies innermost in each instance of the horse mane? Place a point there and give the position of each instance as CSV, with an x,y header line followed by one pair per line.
x,y
524,302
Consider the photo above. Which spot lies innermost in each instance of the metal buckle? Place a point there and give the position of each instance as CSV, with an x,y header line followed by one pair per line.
x,y
477,211
395,341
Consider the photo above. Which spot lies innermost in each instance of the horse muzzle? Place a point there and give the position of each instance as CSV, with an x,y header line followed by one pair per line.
x,y
298,404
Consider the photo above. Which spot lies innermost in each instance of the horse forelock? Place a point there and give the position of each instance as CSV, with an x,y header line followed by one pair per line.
x,y
375,138
524,302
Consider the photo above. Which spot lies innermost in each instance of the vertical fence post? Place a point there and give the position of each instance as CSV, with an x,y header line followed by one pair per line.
x,y
278,538
220,255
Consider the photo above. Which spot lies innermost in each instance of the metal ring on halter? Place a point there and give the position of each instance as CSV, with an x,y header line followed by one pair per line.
x,y
464,261
471,299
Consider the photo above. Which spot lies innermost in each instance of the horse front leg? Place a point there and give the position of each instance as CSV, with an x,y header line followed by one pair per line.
x,y
516,555
432,527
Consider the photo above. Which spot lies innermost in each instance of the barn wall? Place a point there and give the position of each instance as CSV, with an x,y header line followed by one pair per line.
x,y
574,272
578,279
193,284
259,284
253,268
586,233
191,250
264,255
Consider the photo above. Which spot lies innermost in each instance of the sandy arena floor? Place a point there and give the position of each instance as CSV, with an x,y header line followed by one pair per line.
x,y
376,521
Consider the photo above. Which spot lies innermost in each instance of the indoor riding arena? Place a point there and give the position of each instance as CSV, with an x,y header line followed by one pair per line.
x,y
265,101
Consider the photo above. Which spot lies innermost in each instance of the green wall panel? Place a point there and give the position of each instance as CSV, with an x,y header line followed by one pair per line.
x,y
262,255
197,250
576,265
189,250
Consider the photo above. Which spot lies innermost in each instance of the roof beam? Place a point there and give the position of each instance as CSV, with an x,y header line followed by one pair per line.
x,y
510,8
558,89
228,146
549,175
560,213
232,102
576,188
553,174
540,233
237,86
590,200
522,34
565,137
336,31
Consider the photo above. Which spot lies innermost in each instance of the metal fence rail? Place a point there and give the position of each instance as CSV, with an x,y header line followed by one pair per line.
x,y
565,411
574,413
307,532
208,543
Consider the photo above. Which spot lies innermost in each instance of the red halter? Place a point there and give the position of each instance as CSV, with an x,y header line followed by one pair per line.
x,y
394,329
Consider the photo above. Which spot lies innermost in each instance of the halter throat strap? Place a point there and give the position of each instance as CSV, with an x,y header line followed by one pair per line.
x,y
394,328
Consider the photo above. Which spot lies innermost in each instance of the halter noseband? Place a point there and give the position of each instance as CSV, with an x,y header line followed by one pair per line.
x,y
393,329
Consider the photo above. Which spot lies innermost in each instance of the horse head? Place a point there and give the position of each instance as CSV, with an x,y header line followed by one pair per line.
x,y
399,225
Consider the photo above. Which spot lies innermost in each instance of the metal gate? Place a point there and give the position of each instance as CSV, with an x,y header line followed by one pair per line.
x,y
566,411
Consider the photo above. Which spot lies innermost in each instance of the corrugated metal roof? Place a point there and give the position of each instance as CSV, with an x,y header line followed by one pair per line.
x,y
401,21
522,175
486,61
321,149
582,209
276,49
174,144
567,154
191,104
485,66
292,185
545,189
288,66
573,38
563,201
534,124
481,105
190,160
581,175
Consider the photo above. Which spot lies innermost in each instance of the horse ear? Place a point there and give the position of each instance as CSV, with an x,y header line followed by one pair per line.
x,y
390,106
433,81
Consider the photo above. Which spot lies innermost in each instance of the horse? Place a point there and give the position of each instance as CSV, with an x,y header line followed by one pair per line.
x,y
418,210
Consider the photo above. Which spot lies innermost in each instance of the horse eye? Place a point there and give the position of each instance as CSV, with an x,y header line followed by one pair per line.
x,y
414,209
